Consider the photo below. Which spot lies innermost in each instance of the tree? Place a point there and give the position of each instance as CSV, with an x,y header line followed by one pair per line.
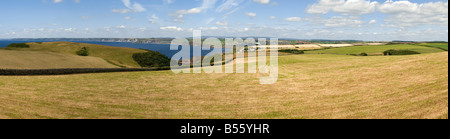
x,y
83,52
151,59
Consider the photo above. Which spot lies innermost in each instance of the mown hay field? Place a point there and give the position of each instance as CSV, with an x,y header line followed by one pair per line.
x,y
309,87
120,56
13,59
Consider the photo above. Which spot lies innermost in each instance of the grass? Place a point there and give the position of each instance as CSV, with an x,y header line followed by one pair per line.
x,y
310,86
375,50
118,55
443,46
12,59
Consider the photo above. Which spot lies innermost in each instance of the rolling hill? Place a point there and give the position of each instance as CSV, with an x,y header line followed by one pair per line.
x,y
309,86
63,55
120,56
12,59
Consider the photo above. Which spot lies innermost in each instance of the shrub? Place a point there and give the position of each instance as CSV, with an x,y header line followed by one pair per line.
x,y
39,42
151,59
83,52
400,52
292,51
18,45
363,54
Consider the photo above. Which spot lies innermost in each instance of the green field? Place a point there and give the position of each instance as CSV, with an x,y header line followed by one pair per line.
x,y
443,46
375,50
309,86
116,55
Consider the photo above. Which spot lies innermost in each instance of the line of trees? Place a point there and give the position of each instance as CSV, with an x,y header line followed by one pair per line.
x,y
151,59
18,45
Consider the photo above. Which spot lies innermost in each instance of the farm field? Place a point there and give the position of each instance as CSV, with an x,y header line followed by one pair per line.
x,y
117,55
309,86
375,50
443,46
11,59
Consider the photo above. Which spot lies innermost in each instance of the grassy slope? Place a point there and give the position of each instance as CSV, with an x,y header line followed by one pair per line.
x,y
117,55
310,86
374,50
11,59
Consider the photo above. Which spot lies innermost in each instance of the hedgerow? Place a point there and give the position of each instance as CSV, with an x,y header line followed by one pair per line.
x,y
292,51
400,52
18,45
23,72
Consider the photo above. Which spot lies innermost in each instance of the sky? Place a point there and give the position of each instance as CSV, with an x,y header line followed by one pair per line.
x,y
368,20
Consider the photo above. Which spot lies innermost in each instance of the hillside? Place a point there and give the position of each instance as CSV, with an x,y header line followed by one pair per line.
x,y
12,59
309,86
117,55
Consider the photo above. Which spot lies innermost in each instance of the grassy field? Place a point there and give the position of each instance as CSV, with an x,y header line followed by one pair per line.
x,y
11,59
443,46
116,55
310,86
375,50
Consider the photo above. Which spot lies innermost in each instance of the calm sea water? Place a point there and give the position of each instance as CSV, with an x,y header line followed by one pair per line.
x,y
162,48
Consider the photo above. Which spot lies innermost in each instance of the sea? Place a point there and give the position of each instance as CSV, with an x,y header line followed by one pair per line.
x,y
162,48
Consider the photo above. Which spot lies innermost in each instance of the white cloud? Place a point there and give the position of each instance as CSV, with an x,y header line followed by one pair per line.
x,y
293,19
227,5
252,15
338,21
153,19
346,7
397,7
262,1
372,21
214,28
169,1
70,29
222,23
272,17
407,14
207,4
135,7
57,1
121,26
77,1
123,11
210,20
190,11
127,18
171,28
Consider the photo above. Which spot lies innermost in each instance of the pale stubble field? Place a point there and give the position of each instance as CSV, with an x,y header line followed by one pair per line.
x,y
309,86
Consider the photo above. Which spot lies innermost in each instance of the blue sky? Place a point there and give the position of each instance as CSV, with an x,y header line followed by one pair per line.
x,y
378,20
